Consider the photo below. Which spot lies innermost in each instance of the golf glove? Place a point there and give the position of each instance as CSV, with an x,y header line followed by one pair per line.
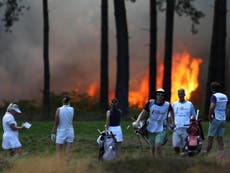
x,y
53,137
135,125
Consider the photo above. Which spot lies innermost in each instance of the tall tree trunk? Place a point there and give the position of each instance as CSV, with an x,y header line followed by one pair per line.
x,y
46,89
216,68
168,47
104,55
122,83
153,48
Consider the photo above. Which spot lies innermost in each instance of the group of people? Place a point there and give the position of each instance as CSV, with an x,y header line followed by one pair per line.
x,y
158,111
178,115
62,132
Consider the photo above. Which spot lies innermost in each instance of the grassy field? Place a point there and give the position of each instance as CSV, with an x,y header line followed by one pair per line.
x,y
38,153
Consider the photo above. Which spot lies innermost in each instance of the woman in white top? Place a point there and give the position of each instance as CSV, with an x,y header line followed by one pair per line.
x,y
10,139
63,127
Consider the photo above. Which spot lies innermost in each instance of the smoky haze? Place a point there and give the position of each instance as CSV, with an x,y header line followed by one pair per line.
x,y
75,46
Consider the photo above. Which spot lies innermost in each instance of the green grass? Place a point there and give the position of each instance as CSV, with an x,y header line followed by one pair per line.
x,y
36,143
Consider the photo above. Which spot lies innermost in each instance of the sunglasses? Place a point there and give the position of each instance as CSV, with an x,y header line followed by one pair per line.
x,y
160,94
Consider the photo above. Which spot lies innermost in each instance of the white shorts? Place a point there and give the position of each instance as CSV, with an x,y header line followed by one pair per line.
x,y
10,142
64,135
116,130
179,137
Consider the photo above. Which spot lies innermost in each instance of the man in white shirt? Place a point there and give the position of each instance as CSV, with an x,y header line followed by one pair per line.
x,y
158,110
183,110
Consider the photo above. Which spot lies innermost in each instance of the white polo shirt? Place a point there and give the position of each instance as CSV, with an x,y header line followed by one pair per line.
x,y
182,113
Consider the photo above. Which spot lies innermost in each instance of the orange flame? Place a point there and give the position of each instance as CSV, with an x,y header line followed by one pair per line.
x,y
185,73
93,89
139,97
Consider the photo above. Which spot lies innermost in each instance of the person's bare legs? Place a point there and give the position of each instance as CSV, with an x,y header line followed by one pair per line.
x,y
153,151
177,150
220,143
15,151
209,145
59,150
158,153
68,150
118,149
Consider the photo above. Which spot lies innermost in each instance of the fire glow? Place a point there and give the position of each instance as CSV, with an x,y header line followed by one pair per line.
x,y
185,74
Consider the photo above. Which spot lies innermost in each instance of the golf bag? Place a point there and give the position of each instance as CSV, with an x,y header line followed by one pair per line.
x,y
107,145
141,131
195,137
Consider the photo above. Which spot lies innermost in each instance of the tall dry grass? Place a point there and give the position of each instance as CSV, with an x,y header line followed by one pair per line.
x,y
125,164
50,164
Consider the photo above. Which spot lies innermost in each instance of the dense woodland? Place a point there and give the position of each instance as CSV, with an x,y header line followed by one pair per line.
x,y
11,13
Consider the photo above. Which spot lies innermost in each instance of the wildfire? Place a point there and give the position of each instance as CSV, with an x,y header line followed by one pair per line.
x,y
93,89
185,73
139,97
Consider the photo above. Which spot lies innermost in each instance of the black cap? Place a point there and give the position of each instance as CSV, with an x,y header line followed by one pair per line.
x,y
65,98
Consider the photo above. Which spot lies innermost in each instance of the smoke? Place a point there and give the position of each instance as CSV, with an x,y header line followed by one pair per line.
x,y
75,46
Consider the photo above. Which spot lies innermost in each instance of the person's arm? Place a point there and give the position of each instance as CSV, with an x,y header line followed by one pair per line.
x,y
16,128
228,110
107,120
172,119
192,111
211,111
141,115
56,122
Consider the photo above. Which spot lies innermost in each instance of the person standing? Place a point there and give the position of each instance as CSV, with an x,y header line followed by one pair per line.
x,y
158,110
63,131
10,140
113,121
183,111
218,109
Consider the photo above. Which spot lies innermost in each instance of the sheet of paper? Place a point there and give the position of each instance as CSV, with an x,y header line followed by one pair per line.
x,y
27,125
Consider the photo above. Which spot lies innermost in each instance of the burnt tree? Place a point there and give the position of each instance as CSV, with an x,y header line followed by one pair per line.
x,y
216,68
168,47
46,89
104,81
152,48
122,82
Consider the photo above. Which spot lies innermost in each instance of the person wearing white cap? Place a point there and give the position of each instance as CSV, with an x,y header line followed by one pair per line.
x,y
10,139
158,110
63,131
